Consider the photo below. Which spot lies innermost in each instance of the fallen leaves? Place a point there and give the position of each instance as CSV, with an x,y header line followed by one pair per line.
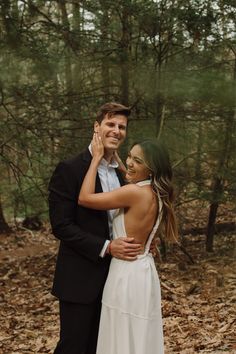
x,y
29,314
198,303
201,317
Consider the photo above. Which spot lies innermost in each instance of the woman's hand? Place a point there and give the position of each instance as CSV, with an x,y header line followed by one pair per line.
x,y
97,147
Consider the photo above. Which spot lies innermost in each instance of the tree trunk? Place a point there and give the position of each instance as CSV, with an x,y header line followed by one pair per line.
x,y
124,55
78,81
198,170
159,102
66,35
217,191
105,65
10,22
218,183
4,228
159,113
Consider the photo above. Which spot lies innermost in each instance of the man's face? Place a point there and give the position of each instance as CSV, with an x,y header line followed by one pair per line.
x,y
112,131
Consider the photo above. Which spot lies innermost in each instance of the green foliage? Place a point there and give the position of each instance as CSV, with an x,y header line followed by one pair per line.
x,y
174,61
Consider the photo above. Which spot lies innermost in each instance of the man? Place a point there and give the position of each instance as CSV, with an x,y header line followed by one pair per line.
x,y
85,248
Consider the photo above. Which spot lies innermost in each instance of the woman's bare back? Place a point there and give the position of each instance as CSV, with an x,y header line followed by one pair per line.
x,y
141,217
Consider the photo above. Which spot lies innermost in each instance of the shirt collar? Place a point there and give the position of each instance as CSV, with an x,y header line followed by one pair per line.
x,y
103,162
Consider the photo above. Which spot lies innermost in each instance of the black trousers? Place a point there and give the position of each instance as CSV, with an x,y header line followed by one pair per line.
x,y
79,328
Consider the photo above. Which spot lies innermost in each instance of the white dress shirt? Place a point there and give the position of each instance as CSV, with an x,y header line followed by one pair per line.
x,y
109,182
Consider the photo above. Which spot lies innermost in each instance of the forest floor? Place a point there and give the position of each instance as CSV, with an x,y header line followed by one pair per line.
x,y
199,300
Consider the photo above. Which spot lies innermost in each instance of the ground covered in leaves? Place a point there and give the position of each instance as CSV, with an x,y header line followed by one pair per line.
x,y
199,299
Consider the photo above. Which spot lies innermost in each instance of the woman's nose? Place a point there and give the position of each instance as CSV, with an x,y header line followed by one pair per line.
x,y
129,162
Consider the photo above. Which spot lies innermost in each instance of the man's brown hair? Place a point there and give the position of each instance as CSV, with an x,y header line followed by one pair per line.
x,y
112,109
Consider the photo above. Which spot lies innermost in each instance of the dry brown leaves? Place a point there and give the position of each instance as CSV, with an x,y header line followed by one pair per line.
x,y
199,306
28,312
198,300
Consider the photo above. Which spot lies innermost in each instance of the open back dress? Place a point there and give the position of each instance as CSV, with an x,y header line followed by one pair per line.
x,y
131,320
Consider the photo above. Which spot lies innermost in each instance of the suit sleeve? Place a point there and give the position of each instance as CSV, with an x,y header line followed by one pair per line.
x,y
63,194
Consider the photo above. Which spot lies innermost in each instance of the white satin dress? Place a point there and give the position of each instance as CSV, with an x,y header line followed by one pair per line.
x,y
131,319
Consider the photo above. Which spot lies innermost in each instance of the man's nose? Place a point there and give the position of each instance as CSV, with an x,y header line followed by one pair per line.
x,y
116,129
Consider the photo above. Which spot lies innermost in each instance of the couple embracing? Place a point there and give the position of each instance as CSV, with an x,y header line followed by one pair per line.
x,y
106,218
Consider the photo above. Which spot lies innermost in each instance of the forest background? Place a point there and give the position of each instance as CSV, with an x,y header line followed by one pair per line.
x,y
173,61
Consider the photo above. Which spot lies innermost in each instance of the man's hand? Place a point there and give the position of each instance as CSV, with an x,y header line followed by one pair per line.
x,y
123,248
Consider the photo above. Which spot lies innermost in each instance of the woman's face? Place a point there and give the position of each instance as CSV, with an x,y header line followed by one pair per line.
x,y
137,169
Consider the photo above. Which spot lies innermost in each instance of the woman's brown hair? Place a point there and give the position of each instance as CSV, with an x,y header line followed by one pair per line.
x,y
158,161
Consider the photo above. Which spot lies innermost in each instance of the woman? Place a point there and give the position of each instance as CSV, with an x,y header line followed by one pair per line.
x,y
131,321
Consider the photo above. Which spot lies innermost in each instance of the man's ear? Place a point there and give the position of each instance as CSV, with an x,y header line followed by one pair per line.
x,y
96,126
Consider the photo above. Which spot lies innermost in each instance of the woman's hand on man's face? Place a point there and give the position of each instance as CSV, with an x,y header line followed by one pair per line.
x,y
97,146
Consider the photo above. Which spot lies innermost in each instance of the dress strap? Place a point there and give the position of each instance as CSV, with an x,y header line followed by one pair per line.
x,y
158,221
145,182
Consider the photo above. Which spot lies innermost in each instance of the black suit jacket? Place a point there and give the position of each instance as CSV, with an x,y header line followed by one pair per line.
x,y
80,272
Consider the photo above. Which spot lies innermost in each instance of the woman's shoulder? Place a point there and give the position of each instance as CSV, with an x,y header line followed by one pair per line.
x,y
133,189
